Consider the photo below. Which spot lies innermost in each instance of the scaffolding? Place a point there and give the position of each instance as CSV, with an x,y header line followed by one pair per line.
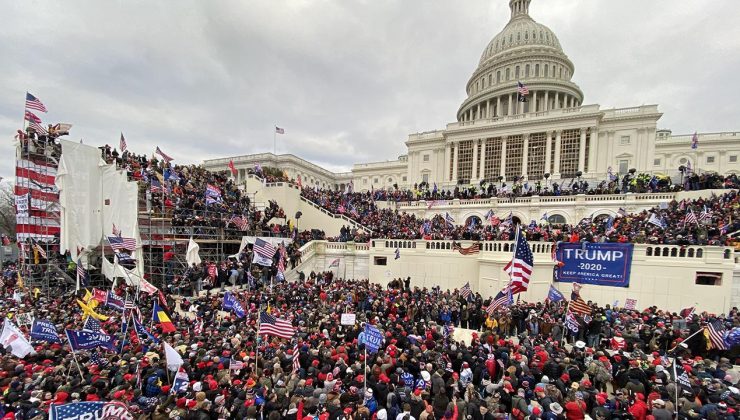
x,y
38,212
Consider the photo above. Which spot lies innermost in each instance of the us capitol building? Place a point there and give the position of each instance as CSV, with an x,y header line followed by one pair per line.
x,y
497,137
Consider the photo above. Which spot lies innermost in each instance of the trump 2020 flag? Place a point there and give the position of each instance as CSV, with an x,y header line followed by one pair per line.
x,y
142,332
181,382
13,340
44,330
233,304
86,340
90,410
554,294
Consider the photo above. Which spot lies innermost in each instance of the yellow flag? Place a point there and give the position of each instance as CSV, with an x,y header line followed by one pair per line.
x,y
89,311
20,280
36,292
269,309
87,296
35,255
159,177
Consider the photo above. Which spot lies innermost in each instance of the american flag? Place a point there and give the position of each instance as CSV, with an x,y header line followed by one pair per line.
x,y
690,218
156,186
264,248
119,243
123,144
31,117
97,360
705,214
296,359
578,305
503,298
239,221
232,168
520,266
473,249
715,330
198,327
522,89
82,274
450,221
630,304
465,291
236,364
687,313
91,324
33,102
271,325
35,123
166,158
279,130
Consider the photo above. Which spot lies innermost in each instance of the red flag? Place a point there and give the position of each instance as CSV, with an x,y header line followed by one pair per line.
x,y
233,169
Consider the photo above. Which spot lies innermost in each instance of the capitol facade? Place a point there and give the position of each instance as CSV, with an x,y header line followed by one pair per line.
x,y
524,119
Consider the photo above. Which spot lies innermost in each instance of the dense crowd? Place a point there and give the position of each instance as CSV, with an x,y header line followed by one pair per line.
x,y
513,365
716,218
195,197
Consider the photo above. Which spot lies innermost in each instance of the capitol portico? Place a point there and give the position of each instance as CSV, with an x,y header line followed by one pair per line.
x,y
551,133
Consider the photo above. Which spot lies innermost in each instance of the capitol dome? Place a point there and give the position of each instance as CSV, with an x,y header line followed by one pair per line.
x,y
524,52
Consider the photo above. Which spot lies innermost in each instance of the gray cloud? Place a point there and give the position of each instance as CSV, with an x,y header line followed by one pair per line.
x,y
348,80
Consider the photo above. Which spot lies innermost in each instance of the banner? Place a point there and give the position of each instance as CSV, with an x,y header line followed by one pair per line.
x,y
348,319
372,338
232,303
90,410
599,264
44,330
21,205
86,340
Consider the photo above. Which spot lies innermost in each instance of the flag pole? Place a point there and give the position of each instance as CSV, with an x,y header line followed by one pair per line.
x,y
74,355
274,140
675,380
565,319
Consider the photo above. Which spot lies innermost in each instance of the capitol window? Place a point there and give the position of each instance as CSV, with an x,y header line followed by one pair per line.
x,y
710,159
425,178
733,158
536,70
624,166
375,181
656,162
624,140
426,158
364,182
556,219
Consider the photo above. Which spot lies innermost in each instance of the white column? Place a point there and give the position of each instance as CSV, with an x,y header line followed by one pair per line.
x,y
582,151
482,168
498,106
448,162
525,155
454,163
548,152
474,172
557,153
503,156
592,145
488,108
557,100
477,112
547,101
511,106
533,106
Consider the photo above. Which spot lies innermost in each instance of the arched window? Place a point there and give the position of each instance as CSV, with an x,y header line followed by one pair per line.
x,y
649,251
498,76
556,219
699,253
536,70
546,70
490,78
508,74
691,252
516,72
526,71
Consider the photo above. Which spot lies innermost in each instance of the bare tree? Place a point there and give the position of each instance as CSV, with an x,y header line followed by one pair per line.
x,y
7,209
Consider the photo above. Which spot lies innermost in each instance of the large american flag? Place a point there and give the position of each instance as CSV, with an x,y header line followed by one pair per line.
x,y
578,305
716,330
264,248
503,298
271,325
123,144
522,89
166,157
465,291
119,243
705,214
296,359
239,221
35,122
690,218
33,102
473,249
520,266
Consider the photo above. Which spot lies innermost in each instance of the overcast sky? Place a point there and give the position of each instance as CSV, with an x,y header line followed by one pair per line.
x,y
348,80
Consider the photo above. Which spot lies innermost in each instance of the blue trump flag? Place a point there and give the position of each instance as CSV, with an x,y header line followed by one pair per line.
x,y
90,410
115,302
554,294
372,338
44,330
231,303
141,331
86,340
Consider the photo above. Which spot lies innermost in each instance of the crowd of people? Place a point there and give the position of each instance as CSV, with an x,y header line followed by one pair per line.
x,y
516,362
193,196
714,219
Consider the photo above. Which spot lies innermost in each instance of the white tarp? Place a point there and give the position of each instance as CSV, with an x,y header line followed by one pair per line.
x,y
191,256
93,196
